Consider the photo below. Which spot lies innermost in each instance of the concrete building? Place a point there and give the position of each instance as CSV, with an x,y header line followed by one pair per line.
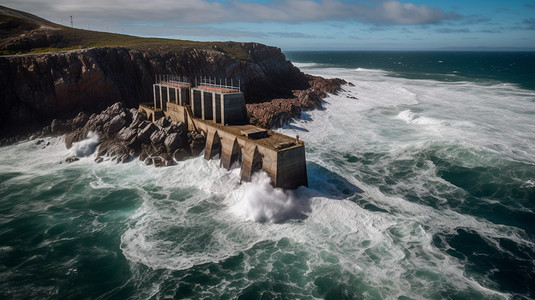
x,y
174,91
218,112
219,104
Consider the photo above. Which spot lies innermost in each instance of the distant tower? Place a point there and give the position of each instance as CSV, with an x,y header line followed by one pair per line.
x,y
71,22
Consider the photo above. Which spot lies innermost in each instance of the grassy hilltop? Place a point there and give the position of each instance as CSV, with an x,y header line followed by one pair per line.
x,y
23,33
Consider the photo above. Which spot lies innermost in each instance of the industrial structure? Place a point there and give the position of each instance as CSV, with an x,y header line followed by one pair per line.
x,y
218,112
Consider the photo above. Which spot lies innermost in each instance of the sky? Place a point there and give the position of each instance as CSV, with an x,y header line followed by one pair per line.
x,y
307,24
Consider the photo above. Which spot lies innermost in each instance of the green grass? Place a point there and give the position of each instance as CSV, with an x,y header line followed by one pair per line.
x,y
62,38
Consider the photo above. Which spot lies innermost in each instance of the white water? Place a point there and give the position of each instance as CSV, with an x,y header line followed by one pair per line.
x,y
197,213
86,147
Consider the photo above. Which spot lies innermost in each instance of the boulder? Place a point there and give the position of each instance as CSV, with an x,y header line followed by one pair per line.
x,y
173,142
137,118
114,149
127,133
71,159
158,161
80,120
115,124
162,122
157,137
115,109
197,144
145,133
180,154
58,126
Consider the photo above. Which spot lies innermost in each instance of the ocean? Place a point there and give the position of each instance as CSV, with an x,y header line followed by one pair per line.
x,y
421,186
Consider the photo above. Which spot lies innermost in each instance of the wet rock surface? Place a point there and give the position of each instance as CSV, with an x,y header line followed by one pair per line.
x,y
277,112
126,134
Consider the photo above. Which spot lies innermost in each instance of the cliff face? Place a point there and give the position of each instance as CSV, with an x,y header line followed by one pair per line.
x,y
38,87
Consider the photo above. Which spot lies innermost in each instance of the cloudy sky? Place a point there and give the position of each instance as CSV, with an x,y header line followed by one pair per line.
x,y
307,24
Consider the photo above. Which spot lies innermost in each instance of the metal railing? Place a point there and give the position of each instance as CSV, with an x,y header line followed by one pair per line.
x,y
225,86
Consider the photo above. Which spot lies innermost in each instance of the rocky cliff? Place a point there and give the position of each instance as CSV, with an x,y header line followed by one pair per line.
x,y
38,87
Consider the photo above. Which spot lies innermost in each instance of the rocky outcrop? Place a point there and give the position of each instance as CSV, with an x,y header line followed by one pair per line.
x,y
124,134
277,112
36,88
39,87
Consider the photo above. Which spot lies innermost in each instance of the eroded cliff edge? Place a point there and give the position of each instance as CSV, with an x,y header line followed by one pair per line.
x,y
36,88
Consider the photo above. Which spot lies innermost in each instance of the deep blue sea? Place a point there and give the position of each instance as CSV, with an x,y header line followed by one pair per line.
x,y
421,186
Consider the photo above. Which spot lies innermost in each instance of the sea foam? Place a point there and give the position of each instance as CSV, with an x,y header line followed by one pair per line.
x,y
263,203
86,147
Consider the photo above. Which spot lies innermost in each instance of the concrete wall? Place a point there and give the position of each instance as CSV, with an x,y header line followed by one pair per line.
x,y
234,110
291,168
207,106
285,167
196,105
184,96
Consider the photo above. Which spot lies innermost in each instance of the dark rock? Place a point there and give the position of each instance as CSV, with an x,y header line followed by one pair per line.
x,y
143,155
115,124
148,161
74,136
39,142
113,149
279,111
115,109
180,154
58,126
145,133
158,161
197,144
137,118
167,160
173,142
71,159
80,120
127,133
162,122
182,128
157,137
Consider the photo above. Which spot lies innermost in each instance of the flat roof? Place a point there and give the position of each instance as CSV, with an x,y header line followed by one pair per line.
x,y
176,84
217,89
274,140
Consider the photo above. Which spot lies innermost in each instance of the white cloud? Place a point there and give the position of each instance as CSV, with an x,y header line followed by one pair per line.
x,y
378,12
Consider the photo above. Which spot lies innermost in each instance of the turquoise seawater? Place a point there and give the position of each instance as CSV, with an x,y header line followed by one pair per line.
x,y
421,187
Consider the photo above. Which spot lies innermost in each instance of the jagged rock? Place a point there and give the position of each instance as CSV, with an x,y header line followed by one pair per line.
x,y
115,124
157,137
137,118
280,111
167,159
74,136
162,122
180,154
71,159
39,142
148,161
113,149
173,142
80,120
144,134
143,155
115,109
158,161
182,128
127,133
197,144
58,126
